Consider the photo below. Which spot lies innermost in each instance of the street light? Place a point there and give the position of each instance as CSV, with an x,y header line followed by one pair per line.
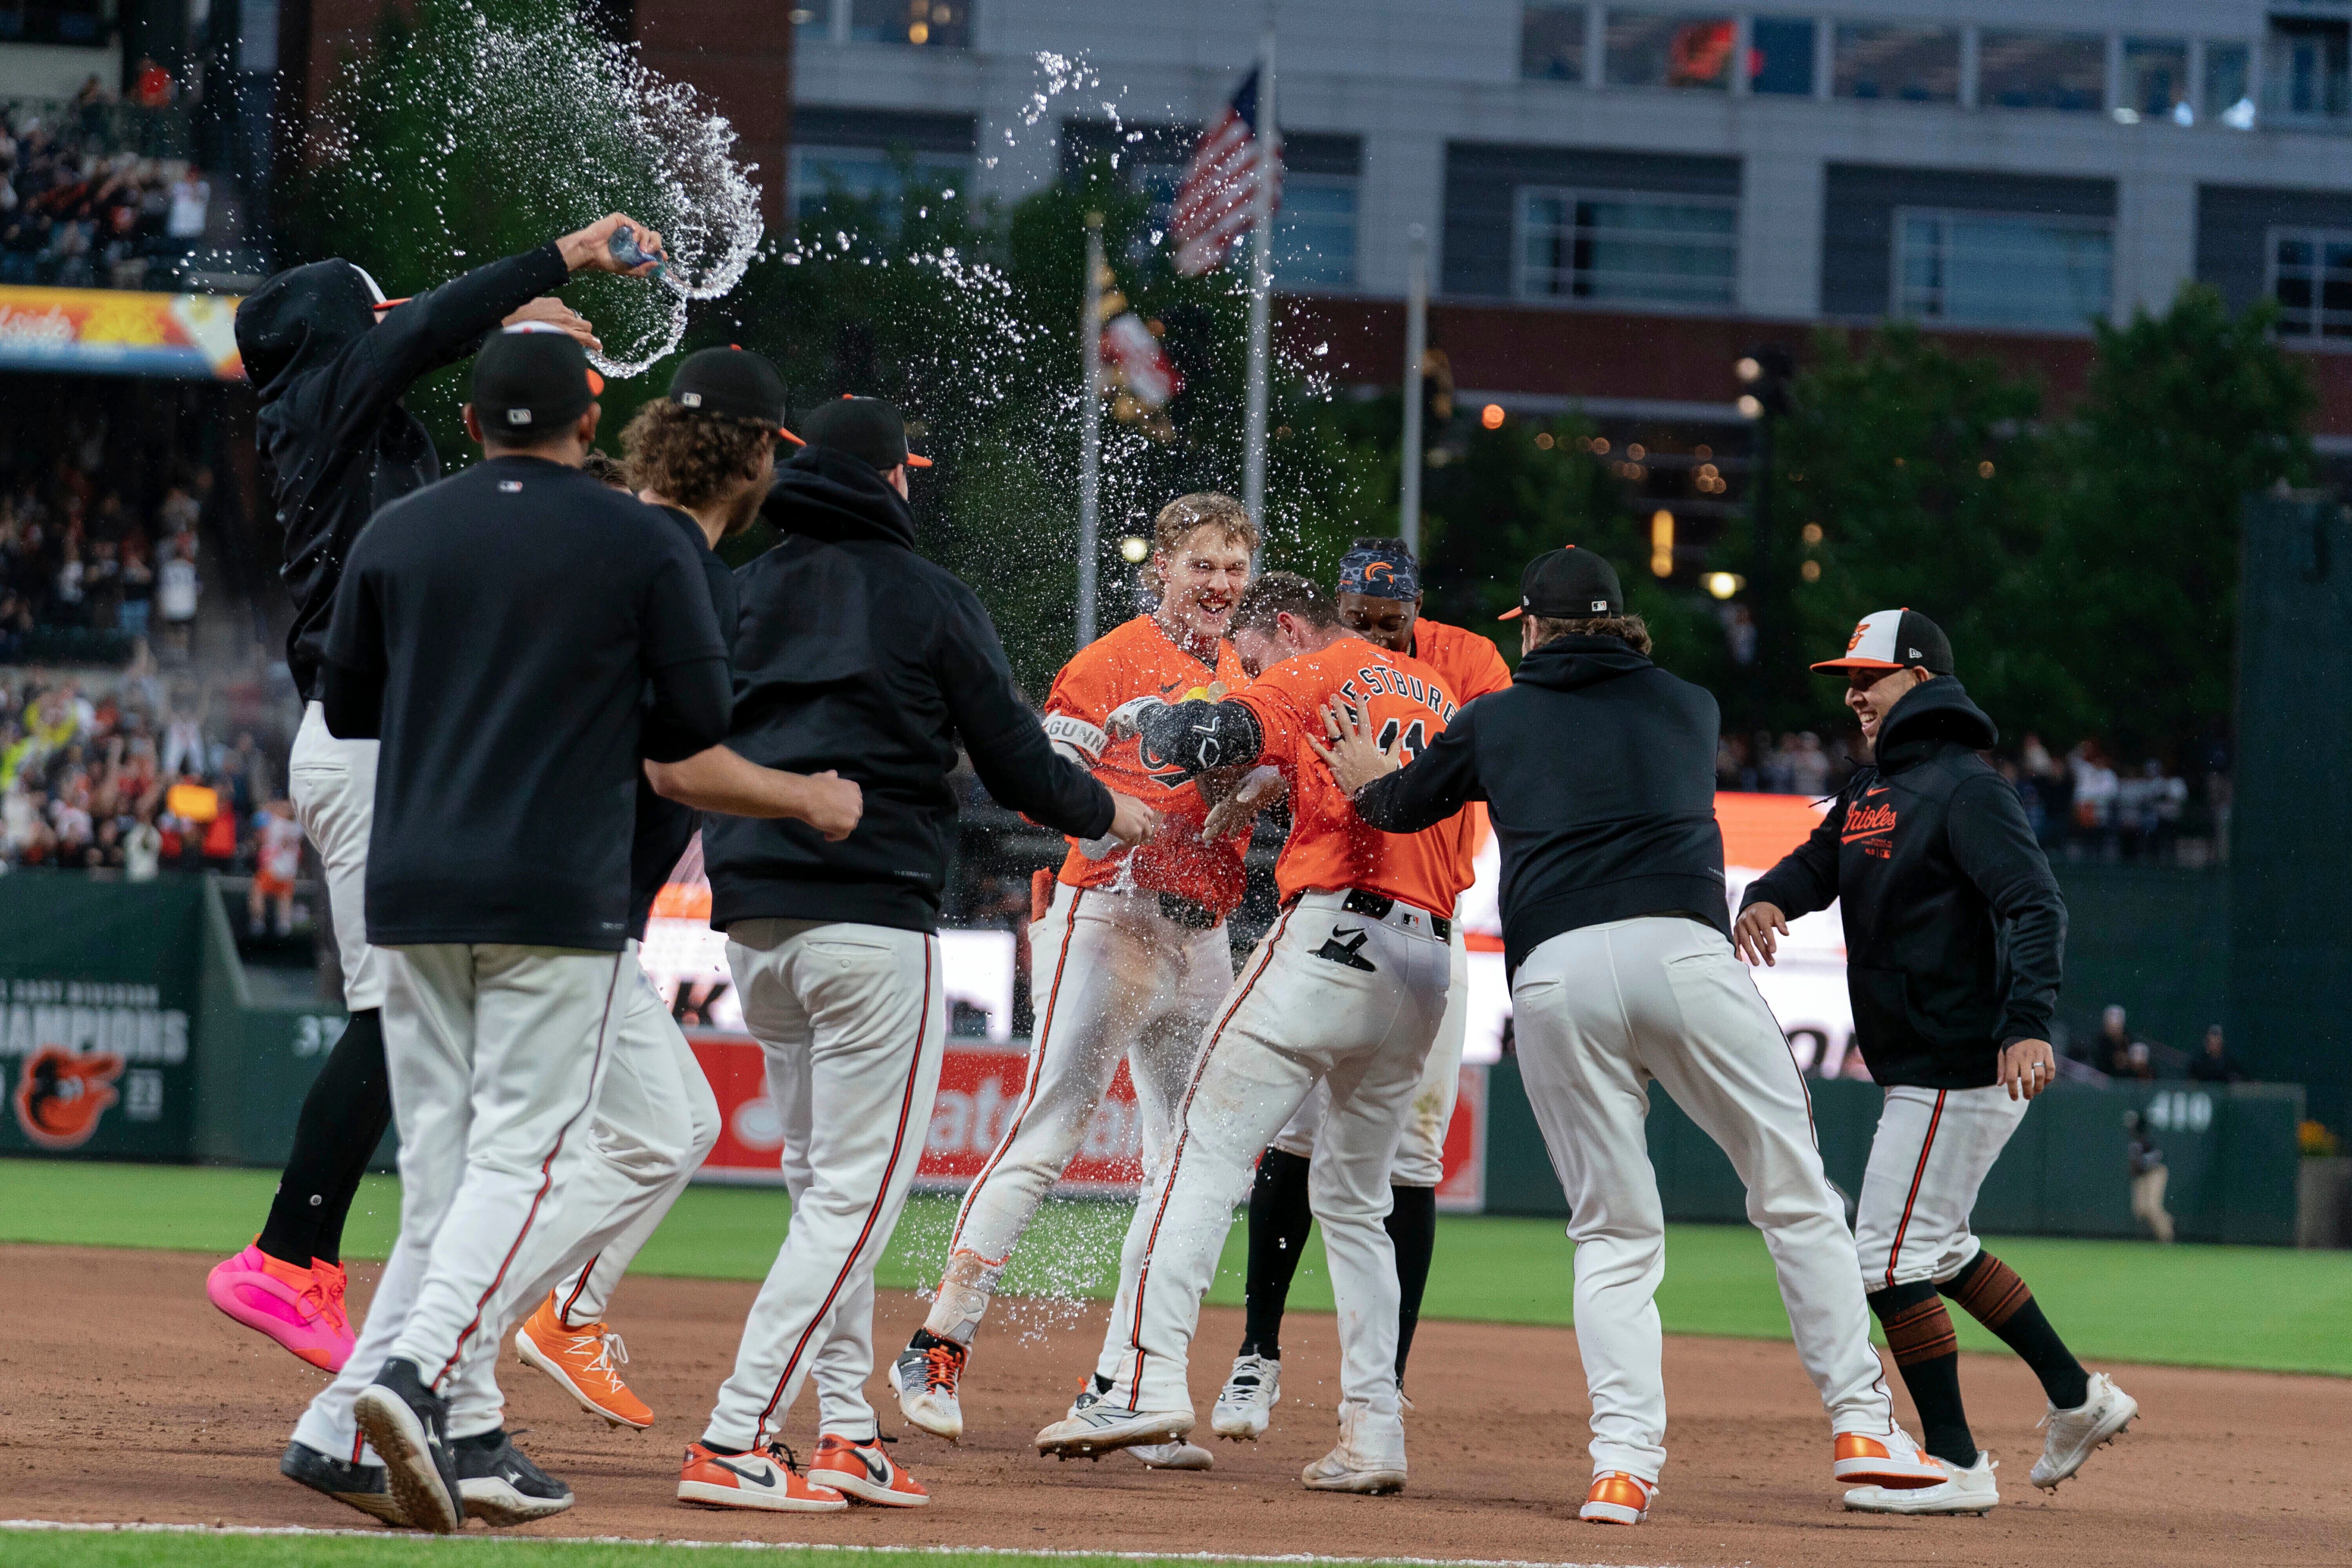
x,y
1133,549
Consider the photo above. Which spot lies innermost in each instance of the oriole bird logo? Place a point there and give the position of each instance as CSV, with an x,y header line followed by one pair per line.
x,y
63,1093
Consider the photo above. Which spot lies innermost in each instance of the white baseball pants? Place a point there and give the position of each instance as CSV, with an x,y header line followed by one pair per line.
x,y
1328,996
1113,977
862,1011
655,1123
1931,1152
333,785
1603,1010
495,1055
1421,1151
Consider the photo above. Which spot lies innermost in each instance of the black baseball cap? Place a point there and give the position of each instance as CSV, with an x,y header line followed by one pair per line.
x,y
864,427
530,382
1894,639
1569,584
733,382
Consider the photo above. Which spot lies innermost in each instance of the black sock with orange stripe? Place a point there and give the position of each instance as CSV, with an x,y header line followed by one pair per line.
x,y
1927,1352
1278,1222
1992,1293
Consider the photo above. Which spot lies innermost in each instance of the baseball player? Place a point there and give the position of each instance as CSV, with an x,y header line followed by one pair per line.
x,y
1130,948
1380,601
1599,771
518,638
332,360
1348,990
854,653
1954,931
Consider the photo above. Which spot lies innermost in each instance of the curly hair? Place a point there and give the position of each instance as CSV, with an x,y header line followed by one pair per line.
x,y
688,457
606,469
1203,508
1627,629
1281,593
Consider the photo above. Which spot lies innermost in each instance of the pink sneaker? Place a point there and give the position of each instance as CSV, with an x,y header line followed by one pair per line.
x,y
292,1306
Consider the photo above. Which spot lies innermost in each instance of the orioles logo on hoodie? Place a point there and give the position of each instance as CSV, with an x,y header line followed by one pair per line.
x,y
63,1093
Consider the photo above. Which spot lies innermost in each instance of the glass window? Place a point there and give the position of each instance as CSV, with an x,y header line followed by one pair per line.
x,y
2228,85
1917,65
2156,81
2002,269
1551,41
2307,68
2042,70
2311,278
811,19
1781,55
937,24
870,173
1626,245
1669,49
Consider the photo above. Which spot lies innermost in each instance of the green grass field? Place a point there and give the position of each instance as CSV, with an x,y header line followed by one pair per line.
x,y
2260,1307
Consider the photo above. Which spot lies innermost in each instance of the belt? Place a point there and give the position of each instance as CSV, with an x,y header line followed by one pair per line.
x,y
1396,913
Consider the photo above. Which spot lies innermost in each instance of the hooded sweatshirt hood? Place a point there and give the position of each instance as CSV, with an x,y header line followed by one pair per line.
x,y
1933,711
1574,662
832,497
300,319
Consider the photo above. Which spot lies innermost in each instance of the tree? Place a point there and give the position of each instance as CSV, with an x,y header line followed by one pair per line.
x,y
2185,414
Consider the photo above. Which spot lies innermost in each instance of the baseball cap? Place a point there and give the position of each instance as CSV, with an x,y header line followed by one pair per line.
x,y
733,382
1379,569
864,427
529,381
1895,639
1569,584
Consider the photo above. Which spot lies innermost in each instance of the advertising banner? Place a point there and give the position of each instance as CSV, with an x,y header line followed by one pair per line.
x,y
980,1091
119,332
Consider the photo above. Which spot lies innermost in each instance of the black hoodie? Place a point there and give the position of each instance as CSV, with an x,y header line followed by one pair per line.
x,y
1954,926
340,444
1598,769
852,652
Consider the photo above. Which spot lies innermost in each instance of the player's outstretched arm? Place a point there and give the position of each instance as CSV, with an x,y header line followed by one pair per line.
x,y
719,780
1399,797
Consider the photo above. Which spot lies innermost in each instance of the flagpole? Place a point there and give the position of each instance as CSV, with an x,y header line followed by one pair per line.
x,y
1416,350
1090,433
1269,154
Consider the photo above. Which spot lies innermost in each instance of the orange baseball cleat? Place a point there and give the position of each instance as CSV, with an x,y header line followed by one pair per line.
x,y
1617,1498
762,1478
583,1362
863,1473
1893,1461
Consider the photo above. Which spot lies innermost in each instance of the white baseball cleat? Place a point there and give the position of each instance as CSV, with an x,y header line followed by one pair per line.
x,y
2075,1433
1093,1428
1368,1458
927,1380
1962,1491
1245,1405
1174,1456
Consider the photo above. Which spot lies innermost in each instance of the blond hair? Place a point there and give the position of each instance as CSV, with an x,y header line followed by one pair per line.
x,y
1186,515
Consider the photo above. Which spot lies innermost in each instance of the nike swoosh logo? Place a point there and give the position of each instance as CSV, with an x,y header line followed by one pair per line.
x,y
876,1470
760,1478
1865,832
1882,789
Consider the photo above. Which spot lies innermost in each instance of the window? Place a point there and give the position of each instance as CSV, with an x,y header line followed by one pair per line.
x,y
2311,278
1551,41
1915,65
1780,56
2002,269
2156,81
936,23
868,173
1314,229
811,19
1625,247
2042,70
2228,85
2307,68
1669,49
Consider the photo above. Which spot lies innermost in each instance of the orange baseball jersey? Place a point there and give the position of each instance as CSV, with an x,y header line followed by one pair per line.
x,y
1330,846
1138,660
1470,665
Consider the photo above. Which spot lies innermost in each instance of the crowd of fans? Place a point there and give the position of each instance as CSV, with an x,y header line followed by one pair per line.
x,y
75,553
2084,805
137,773
97,194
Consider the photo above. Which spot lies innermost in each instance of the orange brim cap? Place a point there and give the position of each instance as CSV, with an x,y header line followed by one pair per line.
x,y
915,462
789,437
1513,614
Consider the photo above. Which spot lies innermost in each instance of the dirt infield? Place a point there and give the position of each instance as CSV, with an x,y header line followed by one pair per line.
x,y
119,1354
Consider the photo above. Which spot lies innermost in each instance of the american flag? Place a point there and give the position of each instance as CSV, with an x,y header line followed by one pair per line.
x,y
1213,204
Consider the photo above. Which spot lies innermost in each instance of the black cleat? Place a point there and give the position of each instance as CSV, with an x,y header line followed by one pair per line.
x,y
354,1486
409,1424
500,1484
